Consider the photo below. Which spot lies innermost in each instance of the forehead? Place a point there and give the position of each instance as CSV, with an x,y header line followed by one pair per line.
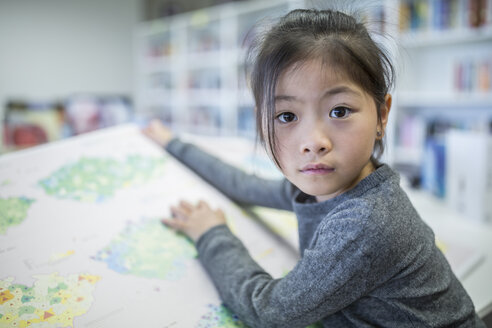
x,y
313,71
314,76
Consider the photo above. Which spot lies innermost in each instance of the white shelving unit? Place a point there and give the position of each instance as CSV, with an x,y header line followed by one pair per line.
x,y
446,74
190,68
443,102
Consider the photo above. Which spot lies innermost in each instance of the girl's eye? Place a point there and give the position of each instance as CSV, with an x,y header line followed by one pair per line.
x,y
287,117
340,112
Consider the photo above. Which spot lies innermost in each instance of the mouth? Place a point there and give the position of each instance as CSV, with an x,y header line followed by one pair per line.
x,y
317,169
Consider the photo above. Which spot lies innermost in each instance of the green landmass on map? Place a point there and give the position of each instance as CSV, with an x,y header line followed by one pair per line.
x,y
53,300
97,179
219,316
13,211
148,249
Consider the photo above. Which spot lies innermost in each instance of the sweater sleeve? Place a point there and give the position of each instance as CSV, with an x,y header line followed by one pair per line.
x,y
343,264
236,184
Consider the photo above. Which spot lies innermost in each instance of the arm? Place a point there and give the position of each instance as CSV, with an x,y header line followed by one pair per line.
x,y
233,182
345,263
236,184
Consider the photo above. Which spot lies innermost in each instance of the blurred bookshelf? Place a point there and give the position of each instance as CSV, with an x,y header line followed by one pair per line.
x,y
191,67
444,96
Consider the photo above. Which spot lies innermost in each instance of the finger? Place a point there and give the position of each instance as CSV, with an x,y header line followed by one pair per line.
x,y
173,224
202,204
146,131
186,206
155,123
179,213
220,213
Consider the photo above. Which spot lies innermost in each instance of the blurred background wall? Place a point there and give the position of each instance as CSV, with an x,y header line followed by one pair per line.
x,y
52,48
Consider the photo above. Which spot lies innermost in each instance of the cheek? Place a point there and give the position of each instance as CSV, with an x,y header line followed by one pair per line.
x,y
358,141
285,146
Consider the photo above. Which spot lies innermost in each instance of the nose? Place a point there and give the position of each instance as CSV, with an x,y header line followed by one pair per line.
x,y
316,141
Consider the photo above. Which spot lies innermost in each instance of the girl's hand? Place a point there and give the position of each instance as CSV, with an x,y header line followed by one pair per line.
x,y
194,221
158,132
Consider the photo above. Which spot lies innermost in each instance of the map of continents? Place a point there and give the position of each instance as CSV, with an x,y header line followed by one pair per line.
x,y
13,211
53,300
148,249
93,179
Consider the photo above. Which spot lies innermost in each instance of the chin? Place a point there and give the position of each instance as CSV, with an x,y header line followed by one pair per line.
x,y
315,189
316,192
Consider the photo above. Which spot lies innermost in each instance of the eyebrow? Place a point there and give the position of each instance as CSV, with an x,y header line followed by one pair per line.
x,y
341,89
329,92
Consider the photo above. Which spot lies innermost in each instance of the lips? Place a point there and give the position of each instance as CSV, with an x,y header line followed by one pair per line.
x,y
317,169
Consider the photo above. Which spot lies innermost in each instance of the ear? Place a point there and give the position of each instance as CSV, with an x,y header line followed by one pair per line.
x,y
385,110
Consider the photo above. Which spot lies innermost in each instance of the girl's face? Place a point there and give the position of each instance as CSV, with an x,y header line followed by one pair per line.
x,y
326,127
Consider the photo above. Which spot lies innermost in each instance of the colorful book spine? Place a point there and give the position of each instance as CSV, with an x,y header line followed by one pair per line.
x,y
417,15
473,75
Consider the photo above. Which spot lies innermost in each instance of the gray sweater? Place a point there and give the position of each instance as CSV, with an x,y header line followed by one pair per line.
x,y
367,258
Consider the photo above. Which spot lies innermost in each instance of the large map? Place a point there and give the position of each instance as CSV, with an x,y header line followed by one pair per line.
x,y
82,245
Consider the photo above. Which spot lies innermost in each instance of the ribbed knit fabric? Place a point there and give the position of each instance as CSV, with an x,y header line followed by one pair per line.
x,y
367,258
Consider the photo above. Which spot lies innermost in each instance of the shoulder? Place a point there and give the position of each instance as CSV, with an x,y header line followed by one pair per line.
x,y
381,217
378,201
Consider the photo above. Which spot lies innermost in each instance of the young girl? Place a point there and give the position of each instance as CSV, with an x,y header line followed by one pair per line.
x,y
321,85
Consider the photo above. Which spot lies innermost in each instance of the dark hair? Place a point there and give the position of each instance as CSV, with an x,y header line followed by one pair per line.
x,y
332,36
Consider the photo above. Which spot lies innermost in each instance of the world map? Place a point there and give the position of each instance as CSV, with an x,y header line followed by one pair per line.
x,y
81,237
93,179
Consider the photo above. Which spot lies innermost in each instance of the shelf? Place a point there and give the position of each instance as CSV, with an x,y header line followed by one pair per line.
x,y
204,97
408,155
432,38
154,64
205,59
158,97
455,100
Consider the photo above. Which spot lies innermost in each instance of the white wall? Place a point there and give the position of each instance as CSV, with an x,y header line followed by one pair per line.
x,y
54,48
